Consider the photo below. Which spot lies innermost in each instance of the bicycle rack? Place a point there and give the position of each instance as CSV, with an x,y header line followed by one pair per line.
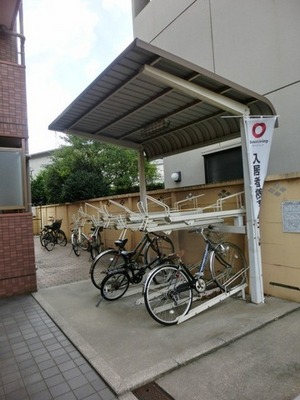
x,y
168,219
215,300
210,303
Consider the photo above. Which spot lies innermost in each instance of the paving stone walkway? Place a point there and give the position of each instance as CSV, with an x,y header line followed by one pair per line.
x,y
37,361
60,266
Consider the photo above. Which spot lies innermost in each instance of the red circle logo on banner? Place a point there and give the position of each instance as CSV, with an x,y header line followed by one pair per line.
x,y
258,129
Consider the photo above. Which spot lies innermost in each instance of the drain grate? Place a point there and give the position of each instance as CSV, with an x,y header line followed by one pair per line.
x,y
151,391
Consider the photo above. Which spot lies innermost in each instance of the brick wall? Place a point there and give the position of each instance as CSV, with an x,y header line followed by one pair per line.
x,y
8,48
13,107
17,260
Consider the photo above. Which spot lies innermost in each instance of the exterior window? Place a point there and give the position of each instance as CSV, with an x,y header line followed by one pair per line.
x,y
224,165
11,179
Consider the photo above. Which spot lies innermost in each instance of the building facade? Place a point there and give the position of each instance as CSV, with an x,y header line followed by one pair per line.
x,y
17,261
38,161
252,43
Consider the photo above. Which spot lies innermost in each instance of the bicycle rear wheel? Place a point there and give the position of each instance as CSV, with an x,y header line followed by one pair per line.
x,y
61,238
163,302
105,261
114,285
160,246
228,266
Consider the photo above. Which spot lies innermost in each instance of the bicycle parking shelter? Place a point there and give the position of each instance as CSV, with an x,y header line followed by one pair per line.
x,y
159,104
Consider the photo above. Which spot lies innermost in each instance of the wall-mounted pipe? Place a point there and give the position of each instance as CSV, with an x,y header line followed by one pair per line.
x,y
5,31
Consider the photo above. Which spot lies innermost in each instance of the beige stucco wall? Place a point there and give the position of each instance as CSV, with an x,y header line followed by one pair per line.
x,y
280,257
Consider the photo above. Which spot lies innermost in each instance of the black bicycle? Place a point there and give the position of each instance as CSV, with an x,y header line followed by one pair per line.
x,y
51,235
173,297
113,264
95,240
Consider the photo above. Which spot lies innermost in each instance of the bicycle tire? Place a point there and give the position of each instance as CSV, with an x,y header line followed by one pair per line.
x,y
95,249
163,303
49,241
75,244
42,234
228,266
114,285
84,242
61,238
160,246
105,261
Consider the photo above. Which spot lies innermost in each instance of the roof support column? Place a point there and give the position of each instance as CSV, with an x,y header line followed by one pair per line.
x,y
253,232
142,175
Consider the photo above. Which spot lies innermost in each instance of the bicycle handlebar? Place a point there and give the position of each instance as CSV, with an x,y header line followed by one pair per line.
x,y
201,231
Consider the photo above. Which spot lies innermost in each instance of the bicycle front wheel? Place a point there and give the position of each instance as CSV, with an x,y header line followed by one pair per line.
x,y
42,234
75,244
84,242
159,247
95,247
114,285
163,301
61,238
105,261
228,266
49,241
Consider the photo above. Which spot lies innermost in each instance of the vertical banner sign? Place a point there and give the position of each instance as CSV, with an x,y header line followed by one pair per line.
x,y
259,133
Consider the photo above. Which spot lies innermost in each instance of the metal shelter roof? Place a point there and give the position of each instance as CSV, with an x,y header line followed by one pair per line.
x,y
154,101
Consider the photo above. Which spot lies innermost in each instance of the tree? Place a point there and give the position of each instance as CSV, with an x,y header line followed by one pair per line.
x,y
84,169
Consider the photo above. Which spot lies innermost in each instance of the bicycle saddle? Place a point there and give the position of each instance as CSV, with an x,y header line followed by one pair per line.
x,y
121,243
128,254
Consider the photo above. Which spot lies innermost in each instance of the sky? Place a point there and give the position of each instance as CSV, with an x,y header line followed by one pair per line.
x,y
68,44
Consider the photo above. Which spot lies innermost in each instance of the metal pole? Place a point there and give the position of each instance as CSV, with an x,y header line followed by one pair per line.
x,y
253,232
142,175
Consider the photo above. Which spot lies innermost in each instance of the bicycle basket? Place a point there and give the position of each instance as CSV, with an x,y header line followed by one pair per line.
x,y
56,224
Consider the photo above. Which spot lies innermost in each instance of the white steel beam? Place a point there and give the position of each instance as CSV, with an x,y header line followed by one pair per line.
x,y
142,175
196,91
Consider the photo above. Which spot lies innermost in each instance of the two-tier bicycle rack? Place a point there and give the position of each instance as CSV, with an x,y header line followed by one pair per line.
x,y
168,219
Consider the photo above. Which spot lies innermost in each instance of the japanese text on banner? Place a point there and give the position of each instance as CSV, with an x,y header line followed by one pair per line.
x,y
259,133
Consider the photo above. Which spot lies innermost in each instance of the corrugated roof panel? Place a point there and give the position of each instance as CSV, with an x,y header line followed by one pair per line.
x,y
134,109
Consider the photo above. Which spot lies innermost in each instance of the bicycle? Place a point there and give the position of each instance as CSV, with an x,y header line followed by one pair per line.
x,y
95,240
52,234
79,240
151,248
173,297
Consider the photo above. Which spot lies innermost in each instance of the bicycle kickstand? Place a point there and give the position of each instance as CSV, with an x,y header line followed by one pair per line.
x,y
99,301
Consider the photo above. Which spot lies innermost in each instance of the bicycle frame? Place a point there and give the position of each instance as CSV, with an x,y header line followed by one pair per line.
x,y
169,290
137,251
129,269
191,284
193,279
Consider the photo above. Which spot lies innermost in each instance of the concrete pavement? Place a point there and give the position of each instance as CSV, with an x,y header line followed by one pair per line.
x,y
234,350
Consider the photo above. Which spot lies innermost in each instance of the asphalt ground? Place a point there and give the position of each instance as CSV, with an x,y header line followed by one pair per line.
x,y
234,350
